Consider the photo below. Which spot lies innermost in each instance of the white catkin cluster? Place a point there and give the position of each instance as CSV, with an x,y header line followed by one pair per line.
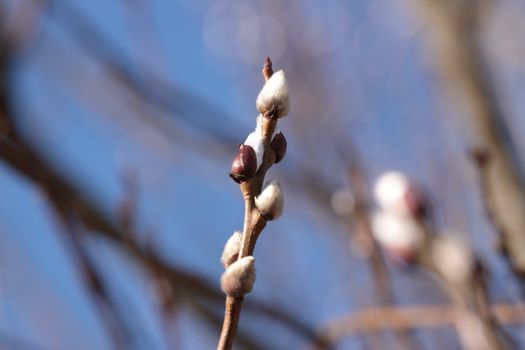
x,y
399,233
394,226
399,229
390,190
239,277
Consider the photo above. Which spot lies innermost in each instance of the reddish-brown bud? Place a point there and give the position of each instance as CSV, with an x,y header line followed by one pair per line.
x,y
481,156
244,164
279,146
267,70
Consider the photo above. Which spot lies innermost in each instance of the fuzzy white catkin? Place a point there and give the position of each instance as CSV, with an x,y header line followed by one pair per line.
x,y
231,249
239,277
270,202
255,141
453,259
392,231
274,92
390,190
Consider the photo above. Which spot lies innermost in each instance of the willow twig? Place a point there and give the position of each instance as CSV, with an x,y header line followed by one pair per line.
x,y
402,318
254,222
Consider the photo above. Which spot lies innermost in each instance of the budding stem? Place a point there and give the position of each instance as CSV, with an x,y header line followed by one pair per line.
x,y
267,70
254,222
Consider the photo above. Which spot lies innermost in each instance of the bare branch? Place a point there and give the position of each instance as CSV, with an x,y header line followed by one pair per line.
x,y
410,317
452,33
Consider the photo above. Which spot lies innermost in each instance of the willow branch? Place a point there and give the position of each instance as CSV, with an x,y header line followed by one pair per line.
x,y
254,223
363,231
388,318
458,57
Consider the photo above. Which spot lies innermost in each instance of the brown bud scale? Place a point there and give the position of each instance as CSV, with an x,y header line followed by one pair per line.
x,y
416,202
244,164
267,70
279,147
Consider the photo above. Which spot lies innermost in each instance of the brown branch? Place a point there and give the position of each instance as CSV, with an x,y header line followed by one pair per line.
x,y
115,324
363,232
254,223
453,37
454,43
215,319
388,318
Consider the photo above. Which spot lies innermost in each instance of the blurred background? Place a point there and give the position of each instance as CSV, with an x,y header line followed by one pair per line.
x,y
118,124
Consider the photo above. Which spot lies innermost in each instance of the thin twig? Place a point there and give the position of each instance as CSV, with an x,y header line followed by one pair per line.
x,y
363,229
254,223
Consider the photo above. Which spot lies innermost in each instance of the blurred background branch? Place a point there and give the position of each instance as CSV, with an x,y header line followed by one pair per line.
x,y
411,317
454,39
